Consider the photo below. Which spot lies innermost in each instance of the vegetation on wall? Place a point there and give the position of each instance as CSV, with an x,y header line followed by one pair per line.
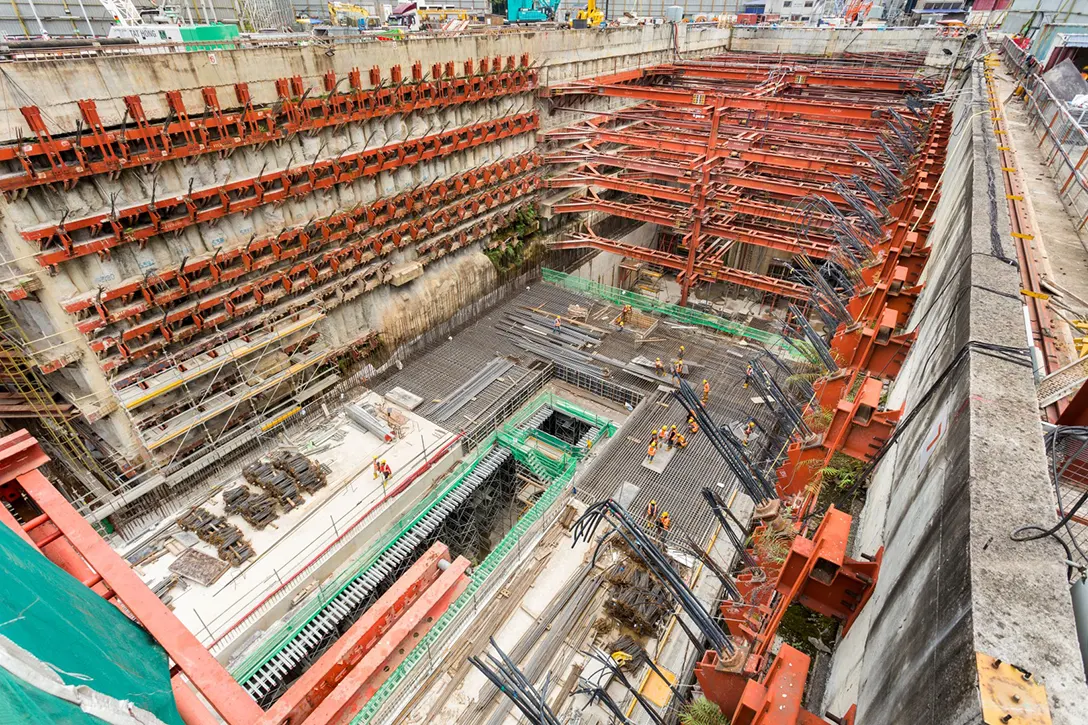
x,y
703,712
513,245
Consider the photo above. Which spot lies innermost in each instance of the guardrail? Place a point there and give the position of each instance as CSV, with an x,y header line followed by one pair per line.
x,y
684,315
1062,139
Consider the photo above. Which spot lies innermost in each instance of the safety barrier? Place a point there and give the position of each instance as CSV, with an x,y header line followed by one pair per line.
x,y
652,306
1062,138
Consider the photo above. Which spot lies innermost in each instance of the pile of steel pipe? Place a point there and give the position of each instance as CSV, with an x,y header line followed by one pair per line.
x,y
648,551
472,387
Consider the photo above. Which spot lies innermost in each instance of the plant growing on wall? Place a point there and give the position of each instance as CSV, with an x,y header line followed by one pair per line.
x,y
703,712
509,247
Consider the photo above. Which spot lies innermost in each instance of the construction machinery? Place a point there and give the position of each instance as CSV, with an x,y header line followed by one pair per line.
x,y
349,15
531,11
589,16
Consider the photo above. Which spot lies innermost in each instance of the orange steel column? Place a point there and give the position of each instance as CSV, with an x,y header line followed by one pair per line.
x,y
700,199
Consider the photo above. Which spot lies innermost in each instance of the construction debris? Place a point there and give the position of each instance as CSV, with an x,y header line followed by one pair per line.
x,y
198,567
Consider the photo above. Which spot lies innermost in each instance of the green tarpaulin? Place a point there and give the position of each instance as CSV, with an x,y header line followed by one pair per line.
x,y
79,635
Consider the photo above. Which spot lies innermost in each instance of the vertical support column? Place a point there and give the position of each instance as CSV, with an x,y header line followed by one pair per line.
x,y
700,200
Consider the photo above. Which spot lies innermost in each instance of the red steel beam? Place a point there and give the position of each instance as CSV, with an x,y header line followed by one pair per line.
x,y
657,214
341,706
326,275
143,221
226,696
712,272
194,276
66,159
321,678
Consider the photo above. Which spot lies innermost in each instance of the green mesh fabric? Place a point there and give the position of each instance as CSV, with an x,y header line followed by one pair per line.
x,y
87,640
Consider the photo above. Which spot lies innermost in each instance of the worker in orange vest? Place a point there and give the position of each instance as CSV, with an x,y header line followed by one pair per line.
x,y
625,316
706,392
663,522
386,470
652,451
651,512
693,426
659,366
681,441
557,326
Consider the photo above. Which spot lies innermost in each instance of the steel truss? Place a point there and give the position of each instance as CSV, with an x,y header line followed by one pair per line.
x,y
802,158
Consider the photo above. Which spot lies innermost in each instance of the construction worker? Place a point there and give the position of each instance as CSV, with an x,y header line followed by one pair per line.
x,y
659,366
386,470
680,356
748,376
653,435
652,450
651,512
663,521
706,392
663,433
681,441
693,425
377,468
671,437
625,316
677,371
749,428
557,326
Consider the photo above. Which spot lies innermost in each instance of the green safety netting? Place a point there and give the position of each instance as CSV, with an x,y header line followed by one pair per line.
x,y
510,436
82,637
685,315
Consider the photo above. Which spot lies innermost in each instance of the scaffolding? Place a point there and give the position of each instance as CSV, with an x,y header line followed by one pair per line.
x,y
21,376
516,465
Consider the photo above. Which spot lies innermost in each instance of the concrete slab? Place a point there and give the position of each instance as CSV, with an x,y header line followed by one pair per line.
x,y
292,541
661,460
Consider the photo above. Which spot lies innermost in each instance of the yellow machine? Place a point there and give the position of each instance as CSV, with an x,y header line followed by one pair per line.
x,y
348,15
591,14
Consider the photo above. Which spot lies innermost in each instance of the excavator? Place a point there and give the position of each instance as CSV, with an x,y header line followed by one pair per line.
x,y
531,11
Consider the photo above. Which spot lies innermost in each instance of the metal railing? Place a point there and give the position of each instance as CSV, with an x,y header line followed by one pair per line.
x,y
1063,141
683,315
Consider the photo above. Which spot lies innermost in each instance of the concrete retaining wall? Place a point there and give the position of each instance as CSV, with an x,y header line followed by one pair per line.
x,y
401,313
968,467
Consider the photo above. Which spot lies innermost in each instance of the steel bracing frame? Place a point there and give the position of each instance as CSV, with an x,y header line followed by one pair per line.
x,y
802,157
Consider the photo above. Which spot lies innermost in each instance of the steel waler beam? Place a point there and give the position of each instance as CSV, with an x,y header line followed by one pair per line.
x,y
64,160
141,222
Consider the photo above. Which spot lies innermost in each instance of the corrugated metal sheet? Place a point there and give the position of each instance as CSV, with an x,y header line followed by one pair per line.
x,y
1075,40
